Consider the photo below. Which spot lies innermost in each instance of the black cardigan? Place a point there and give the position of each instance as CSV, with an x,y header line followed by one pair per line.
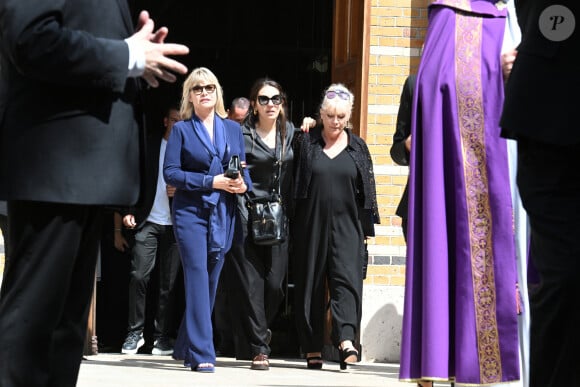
x,y
309,146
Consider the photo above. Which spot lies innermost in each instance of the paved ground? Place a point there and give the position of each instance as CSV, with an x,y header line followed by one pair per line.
x,y
114,370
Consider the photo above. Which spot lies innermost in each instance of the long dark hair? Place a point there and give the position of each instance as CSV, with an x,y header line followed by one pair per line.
x,y
252,118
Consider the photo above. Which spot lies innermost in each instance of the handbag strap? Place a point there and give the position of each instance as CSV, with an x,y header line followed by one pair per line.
x,y
278,153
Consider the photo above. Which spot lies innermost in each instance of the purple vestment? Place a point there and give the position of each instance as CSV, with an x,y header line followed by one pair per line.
x,y
460,314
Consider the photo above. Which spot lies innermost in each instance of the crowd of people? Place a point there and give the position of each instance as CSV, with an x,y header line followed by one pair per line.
x,y
493,95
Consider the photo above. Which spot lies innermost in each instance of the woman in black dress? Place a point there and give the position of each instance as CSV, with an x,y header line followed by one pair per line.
x,y
257,273
335,210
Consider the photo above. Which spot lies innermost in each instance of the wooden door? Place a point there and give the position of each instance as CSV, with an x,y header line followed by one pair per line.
x,y
350,55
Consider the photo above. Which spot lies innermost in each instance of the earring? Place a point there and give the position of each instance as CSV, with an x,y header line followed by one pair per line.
x,y
255,111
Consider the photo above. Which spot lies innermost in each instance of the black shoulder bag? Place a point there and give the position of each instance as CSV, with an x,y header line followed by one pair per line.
x,y
266,218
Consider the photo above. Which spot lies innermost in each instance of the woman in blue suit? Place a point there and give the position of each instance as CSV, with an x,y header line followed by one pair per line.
x,y
204,206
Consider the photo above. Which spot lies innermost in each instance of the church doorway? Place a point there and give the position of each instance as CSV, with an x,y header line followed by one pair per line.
x,y
304,45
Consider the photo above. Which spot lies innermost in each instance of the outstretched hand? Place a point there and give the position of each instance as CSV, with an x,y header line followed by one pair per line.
x,y
158,65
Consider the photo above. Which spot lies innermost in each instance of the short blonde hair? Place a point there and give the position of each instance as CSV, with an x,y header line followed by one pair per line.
x,y
197,76
333,102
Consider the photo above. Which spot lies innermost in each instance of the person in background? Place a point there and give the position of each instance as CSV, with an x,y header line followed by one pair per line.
x,y
154,236
204,206
256,280
223,332
540,112
62,162
335,210
238,110
460,320
525,271
401,149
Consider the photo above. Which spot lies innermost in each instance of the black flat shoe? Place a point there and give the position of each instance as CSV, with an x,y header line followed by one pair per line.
x,y
347,356
314,362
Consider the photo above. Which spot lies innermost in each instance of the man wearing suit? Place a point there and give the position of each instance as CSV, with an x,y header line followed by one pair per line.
x,y
402,143
153,235
540,111
69,145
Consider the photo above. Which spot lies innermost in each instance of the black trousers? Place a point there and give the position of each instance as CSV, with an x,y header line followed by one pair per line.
x,y
256,287
4,229
46,290
549,184
150,240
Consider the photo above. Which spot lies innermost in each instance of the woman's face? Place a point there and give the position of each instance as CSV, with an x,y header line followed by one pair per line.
x,y
335,117
203,96
268,103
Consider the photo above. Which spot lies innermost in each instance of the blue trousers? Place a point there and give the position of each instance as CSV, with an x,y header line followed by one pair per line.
x,y
201,270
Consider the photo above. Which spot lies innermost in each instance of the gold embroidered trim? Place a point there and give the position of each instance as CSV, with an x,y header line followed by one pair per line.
x,y
472,130
464,5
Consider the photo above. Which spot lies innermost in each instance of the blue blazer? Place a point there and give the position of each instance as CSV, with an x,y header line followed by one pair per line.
x,y
191,162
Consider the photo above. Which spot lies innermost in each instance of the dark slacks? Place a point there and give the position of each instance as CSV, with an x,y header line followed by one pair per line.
x,y
46,290
256,286
549,183
4,229
340,269
223,313
150,240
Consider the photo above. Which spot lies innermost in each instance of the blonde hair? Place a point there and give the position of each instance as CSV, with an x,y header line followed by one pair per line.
x,y
333,102
196,77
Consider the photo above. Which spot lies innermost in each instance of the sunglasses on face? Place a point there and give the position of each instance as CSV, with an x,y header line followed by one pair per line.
x,y
264,100
197,90
330,94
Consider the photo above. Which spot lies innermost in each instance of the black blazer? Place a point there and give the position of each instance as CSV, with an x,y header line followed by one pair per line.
x,y
542,96
399,153
69,131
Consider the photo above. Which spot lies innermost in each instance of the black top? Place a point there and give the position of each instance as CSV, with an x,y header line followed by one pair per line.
x,y
399,153
262,163
308,148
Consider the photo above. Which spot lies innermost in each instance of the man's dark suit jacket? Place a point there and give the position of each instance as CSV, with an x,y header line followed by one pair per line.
x,y
536,105
399,153
69,132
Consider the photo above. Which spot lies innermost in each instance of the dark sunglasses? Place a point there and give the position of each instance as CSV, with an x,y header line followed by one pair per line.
x,y
330,94
263,100
199,89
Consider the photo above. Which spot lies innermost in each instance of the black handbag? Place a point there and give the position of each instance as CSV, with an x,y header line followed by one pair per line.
x,y
267,219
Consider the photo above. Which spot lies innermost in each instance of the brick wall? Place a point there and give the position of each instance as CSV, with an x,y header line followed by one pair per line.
x,y
397,32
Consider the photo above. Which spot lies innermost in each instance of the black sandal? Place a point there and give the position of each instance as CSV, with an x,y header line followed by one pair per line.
x,y
347,356
314,362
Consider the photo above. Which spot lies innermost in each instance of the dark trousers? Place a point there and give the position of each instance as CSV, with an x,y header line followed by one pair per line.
x,y
340,273
152,240
549,183
46,290
223,313
4,229
256,286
